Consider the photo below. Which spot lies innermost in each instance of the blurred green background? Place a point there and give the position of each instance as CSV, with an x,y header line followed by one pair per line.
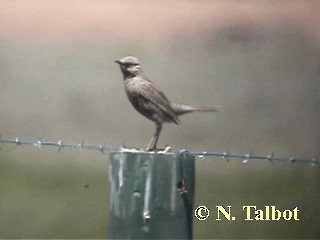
x,y
259,60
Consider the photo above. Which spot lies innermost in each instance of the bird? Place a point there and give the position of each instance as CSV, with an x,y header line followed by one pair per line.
x,y
150,101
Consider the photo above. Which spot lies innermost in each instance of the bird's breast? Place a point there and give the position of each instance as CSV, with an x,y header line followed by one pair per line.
x,y
133,85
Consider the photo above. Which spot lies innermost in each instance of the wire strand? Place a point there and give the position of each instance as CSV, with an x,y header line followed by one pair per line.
x,y
101,148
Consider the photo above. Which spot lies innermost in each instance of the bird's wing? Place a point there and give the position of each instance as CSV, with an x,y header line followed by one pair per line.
x,y
153,94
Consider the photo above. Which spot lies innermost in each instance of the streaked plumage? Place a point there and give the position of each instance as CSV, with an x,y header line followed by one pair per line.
x,y
149,100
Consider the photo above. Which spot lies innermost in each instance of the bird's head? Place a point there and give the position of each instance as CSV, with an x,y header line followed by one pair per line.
x,y
129,66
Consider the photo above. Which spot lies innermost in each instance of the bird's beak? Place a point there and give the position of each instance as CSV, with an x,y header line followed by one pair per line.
x,y
118,61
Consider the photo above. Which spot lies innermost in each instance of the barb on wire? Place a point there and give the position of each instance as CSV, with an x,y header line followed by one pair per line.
x,y
269,158
81,144
246,158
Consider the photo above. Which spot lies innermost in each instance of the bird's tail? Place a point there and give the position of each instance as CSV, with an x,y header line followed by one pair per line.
x,y
180,109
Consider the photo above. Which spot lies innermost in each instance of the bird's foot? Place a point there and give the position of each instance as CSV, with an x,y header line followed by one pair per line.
x,y
166,150
160,151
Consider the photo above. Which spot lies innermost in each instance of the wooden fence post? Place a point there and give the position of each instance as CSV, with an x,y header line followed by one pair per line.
x,y
151,195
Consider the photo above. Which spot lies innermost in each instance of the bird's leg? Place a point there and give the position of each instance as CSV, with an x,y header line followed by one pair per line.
x,y
153,143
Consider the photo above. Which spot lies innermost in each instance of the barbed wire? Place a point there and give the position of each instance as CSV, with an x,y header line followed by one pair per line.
x,y
101,148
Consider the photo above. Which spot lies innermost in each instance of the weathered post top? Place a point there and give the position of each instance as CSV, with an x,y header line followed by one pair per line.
x,y
151,195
